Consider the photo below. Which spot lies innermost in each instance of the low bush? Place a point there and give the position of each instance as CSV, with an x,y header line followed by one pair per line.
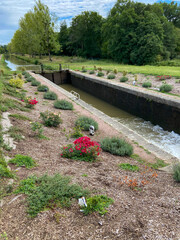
x,y
5,172
123,79
50,119
115,71
129,167
35,83
19,75
30,103
116,146
165,88
76,133
97,203
50,95
85,122
147,84
16,82
124,73
22,160
24,73
91,72
111,76
42,192
43,88
63,104
176,172
100,74
30,79
83,149
84,70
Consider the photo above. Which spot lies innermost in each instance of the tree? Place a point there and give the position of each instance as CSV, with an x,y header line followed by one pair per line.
x,y
85,34
63,38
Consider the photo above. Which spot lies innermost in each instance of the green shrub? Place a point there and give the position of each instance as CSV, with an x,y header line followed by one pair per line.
x,y
147,84
63,104
50,119
129,167
123,79
85,122
22,160
19,75
50,95
24,73
35,83
76,133
100,74
116,146
111,76
115,71
49,192
30,79
17,82
43,88
176,172
84,70
91,72
124,73
165,88
97,203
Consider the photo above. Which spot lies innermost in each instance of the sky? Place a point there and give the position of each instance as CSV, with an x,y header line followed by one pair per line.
x,y
12,10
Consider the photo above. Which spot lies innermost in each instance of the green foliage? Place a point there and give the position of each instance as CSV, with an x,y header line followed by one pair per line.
x,y
111,76
5,172
20,117
85,122
129,167
16,82
37,128
115,71
91,72
123,79
22,160
19,75
43,88
77,132
35,83
176,172
49,192
100,74
165,88
116,146
50,95
50,119
30,79
147,84
14,132
97,203
124,73
63,104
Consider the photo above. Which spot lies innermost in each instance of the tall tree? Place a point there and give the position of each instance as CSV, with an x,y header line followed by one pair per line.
x,y
85,34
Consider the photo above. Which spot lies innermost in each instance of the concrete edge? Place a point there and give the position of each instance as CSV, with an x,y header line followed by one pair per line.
x,y
130,134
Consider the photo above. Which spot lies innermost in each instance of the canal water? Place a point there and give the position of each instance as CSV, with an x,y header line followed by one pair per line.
x,y
168,141
14,63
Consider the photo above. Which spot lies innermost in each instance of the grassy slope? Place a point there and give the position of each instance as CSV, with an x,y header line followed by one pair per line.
x,y
107,65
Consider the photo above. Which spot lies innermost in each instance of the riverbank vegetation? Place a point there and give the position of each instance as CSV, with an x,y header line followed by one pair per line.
x,y
133,33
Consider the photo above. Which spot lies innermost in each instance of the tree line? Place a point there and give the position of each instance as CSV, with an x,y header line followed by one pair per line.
x,y
133,33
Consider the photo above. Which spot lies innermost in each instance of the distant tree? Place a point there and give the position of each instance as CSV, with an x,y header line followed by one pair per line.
x,y
85,34
63,38
3,49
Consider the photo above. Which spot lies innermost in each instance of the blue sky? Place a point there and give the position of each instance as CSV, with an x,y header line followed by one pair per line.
x,y
12,10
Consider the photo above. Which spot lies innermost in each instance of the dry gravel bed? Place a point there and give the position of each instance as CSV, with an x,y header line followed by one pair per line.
x,y
150,212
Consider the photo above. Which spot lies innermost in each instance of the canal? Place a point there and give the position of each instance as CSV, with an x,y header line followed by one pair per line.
x,y
168,141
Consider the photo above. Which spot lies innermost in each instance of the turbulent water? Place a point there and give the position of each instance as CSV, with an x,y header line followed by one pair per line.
x,y
168,141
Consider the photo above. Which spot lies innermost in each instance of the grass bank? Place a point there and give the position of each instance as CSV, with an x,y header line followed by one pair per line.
x,y
77,63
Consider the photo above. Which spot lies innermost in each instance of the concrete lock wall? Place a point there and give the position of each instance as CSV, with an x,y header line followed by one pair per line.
x,y
154,107
160,109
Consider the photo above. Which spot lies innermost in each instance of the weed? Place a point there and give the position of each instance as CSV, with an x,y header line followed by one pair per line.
x,y
84,175
22,160
116,146
97,203
63,104
129,167
85,122
176,172
5,172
